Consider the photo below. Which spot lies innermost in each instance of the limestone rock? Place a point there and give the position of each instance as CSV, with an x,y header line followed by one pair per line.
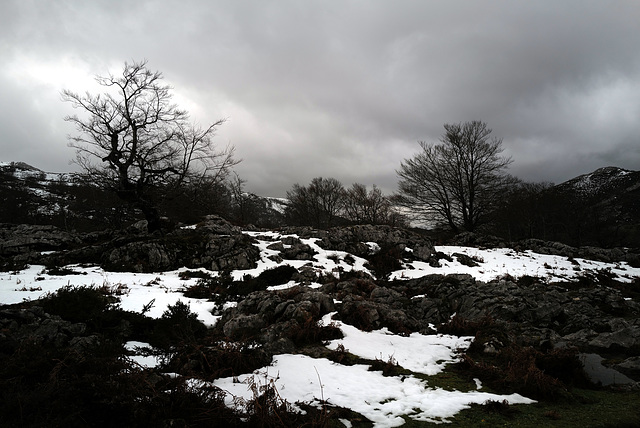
x,y
25,238
244,326
625,339
630,367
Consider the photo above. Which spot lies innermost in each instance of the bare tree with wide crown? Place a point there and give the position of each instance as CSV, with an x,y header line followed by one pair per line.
x,y
133,140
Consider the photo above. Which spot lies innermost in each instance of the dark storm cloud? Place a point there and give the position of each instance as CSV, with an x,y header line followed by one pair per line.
x,y
342,89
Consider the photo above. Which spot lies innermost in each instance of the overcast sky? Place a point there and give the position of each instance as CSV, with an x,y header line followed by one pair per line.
x,y
340,88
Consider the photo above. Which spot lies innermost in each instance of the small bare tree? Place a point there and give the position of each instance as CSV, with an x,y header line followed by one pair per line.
x,y
457,181
367,207
144,144
317,204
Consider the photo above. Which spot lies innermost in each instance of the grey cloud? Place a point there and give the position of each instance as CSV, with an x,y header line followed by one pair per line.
x,y
347,88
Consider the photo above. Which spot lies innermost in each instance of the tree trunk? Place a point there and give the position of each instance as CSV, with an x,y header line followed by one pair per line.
x,y
152,216
131,195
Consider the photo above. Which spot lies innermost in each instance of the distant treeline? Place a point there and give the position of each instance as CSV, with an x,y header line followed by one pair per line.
x,y
563,214
540,211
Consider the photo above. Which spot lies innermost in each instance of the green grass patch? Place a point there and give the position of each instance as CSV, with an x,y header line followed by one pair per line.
x,y
579,407
591,408
452,378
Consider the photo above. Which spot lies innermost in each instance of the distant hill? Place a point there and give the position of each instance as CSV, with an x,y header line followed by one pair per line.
x,y
612,193
22,170
19,166
30,195
603,182
72,201
600,209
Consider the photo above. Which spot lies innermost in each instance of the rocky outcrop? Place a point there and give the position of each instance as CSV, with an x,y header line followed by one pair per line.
x,y
216,225
589,317
192,248
363,240
213,244
299,304
593,318
25,239
592,253
608,255
292,248
34,327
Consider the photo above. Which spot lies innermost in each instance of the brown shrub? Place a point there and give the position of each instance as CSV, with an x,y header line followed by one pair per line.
x,y
312,332
515,369
460,326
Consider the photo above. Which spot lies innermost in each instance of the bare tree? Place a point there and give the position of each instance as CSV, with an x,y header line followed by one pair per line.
x,y
142,141
457,181
367,207
317,205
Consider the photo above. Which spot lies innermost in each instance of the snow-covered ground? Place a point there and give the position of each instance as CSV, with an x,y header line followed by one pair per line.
x,y
497,262
384,400
135,290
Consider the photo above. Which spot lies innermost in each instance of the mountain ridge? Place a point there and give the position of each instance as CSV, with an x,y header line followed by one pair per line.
x,y
589,184
603,179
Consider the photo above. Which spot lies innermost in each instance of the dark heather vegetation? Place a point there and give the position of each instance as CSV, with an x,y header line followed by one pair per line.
x,y
48,380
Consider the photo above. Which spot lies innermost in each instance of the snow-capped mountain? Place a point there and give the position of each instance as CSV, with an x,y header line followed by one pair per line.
x,y
607,181
611,193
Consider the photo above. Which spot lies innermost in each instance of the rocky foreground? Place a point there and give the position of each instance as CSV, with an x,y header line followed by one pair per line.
x,y
548,324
